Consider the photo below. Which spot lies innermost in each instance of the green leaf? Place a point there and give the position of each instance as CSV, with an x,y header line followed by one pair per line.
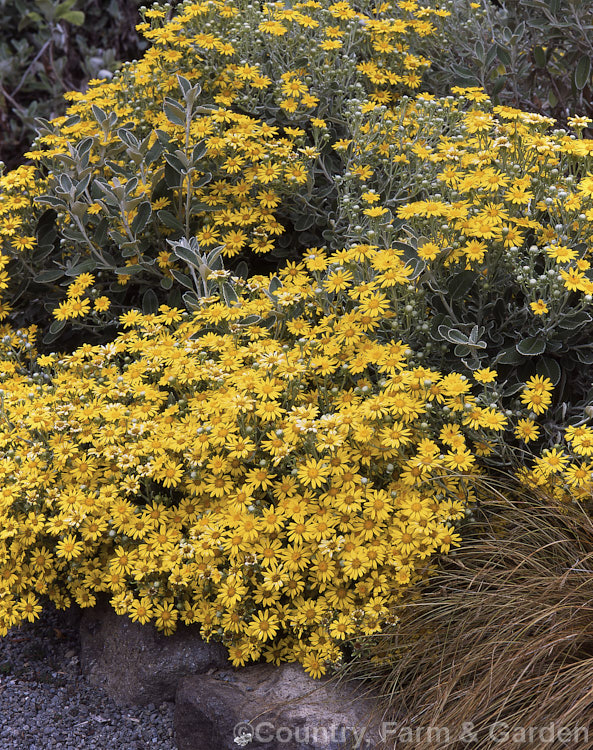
x,y
46,227
41,253
173,179
51,200
174,112
509,356
64,7
202,180
82,186
46,277
166,282
575,320
99,114
190,93
582,72
101,231
490,56
452,335
170,221
199,152
72,234
30,16
175,163
188,255
150,302
585,356
184,84
242,270
66,184
464,75
461,283
84,147
128,138
85,267
498,85
472,364
128,249
117,237
154,152
461,350
549,368
514,389
250,320
128,270
143,214
410,258
57,326
503,55
539,55
409,251
304,221
75,17
191,301
275,284
183,279
229,294
417,265
532,346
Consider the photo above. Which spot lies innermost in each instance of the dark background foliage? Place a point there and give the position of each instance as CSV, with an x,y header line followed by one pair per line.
x,y
48,47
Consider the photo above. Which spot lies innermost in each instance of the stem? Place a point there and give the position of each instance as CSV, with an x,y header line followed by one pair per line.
x,y
14,103
19,85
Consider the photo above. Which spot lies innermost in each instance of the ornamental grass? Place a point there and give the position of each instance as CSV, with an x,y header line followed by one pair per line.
x,y
496,649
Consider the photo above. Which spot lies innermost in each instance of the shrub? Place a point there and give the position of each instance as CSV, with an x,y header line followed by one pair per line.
x,y
225,135
272,470
492,211
531,54
281,460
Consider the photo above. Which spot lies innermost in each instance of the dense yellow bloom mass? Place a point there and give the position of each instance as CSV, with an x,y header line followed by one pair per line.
x,y
280,464
154,471
221,511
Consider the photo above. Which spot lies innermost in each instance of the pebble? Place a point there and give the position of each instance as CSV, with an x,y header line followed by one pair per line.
x,y
46,704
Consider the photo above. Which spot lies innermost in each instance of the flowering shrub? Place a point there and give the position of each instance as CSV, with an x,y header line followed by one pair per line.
x,y
280,486
282,459
222,132
532,54
493,212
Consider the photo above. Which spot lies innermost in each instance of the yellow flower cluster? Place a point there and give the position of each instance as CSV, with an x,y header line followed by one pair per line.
x,y
281,484
17,192
149,163
200,469
495,180
280,465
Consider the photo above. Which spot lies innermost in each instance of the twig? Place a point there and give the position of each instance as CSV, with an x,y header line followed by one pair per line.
x,y
26,73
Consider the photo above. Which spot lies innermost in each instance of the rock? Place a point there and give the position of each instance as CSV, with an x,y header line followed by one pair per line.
x,y
135,664
265,706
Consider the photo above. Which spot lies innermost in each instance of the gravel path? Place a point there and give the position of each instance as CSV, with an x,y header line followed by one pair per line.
x,y
45,703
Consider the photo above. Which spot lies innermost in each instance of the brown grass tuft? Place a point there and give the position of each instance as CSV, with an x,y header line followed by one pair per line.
x,y
503,633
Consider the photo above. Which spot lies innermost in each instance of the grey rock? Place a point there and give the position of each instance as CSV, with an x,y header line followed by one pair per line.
x,y
135,664
278,708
